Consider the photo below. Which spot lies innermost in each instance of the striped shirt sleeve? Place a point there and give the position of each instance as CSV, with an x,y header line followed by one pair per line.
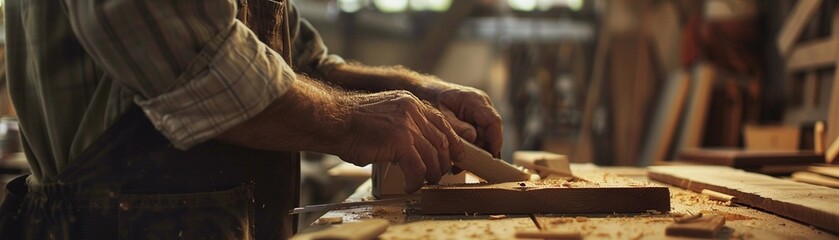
x,y
195,69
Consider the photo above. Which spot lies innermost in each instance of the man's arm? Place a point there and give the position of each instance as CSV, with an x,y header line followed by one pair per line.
x,y
389,126
194,69
467,109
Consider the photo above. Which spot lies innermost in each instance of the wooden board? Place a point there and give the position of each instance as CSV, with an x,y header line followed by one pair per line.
x,y
807,203
666,120
547,196
833,110
749,159
795,23
695,118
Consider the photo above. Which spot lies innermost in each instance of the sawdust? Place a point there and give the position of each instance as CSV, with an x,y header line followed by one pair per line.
x,y
728,216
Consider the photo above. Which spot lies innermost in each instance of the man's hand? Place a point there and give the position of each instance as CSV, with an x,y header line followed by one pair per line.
x,y
468,110
472,115
397,127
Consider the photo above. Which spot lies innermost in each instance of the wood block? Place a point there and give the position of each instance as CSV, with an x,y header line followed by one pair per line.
x,y
388,180
365,229
814,178
749,159
795,23
388,183
544,163
807,203
547,196
704,227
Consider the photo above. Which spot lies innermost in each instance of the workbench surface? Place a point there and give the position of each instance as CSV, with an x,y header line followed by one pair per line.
x,y
742,222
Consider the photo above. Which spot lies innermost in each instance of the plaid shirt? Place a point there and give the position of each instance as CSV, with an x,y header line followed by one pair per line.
x,y
74,67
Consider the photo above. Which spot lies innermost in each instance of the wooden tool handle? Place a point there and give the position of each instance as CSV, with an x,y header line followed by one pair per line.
x,y
482,164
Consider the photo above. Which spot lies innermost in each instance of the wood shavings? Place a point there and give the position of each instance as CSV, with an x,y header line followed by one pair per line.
x,y
581,219
728,216
497,217
560,221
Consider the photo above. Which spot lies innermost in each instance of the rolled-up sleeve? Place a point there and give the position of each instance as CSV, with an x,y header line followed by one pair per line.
x,y
196,70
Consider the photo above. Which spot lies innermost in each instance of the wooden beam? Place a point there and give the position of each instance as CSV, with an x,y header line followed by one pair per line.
x,y
551,196
795,23
807,203
440,34
813,54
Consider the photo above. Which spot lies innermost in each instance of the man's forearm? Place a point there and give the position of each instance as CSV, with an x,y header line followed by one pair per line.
x,y
376,79
309,116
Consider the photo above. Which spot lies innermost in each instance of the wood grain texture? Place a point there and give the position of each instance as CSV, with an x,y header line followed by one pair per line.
x,y
795,23
703,227
749,159
807,203
548,196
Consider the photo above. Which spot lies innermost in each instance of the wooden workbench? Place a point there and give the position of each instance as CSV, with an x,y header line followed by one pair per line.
x,y
741,222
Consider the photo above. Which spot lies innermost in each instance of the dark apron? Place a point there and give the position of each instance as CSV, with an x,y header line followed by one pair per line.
x,y
133,184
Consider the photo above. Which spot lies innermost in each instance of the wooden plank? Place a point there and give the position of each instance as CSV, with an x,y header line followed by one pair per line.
x,y
748,158
833,110
547,196
693,127
811,55
703,227
807,203
663,128
795,23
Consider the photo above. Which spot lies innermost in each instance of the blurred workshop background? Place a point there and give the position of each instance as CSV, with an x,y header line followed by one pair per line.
x,y
626,83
